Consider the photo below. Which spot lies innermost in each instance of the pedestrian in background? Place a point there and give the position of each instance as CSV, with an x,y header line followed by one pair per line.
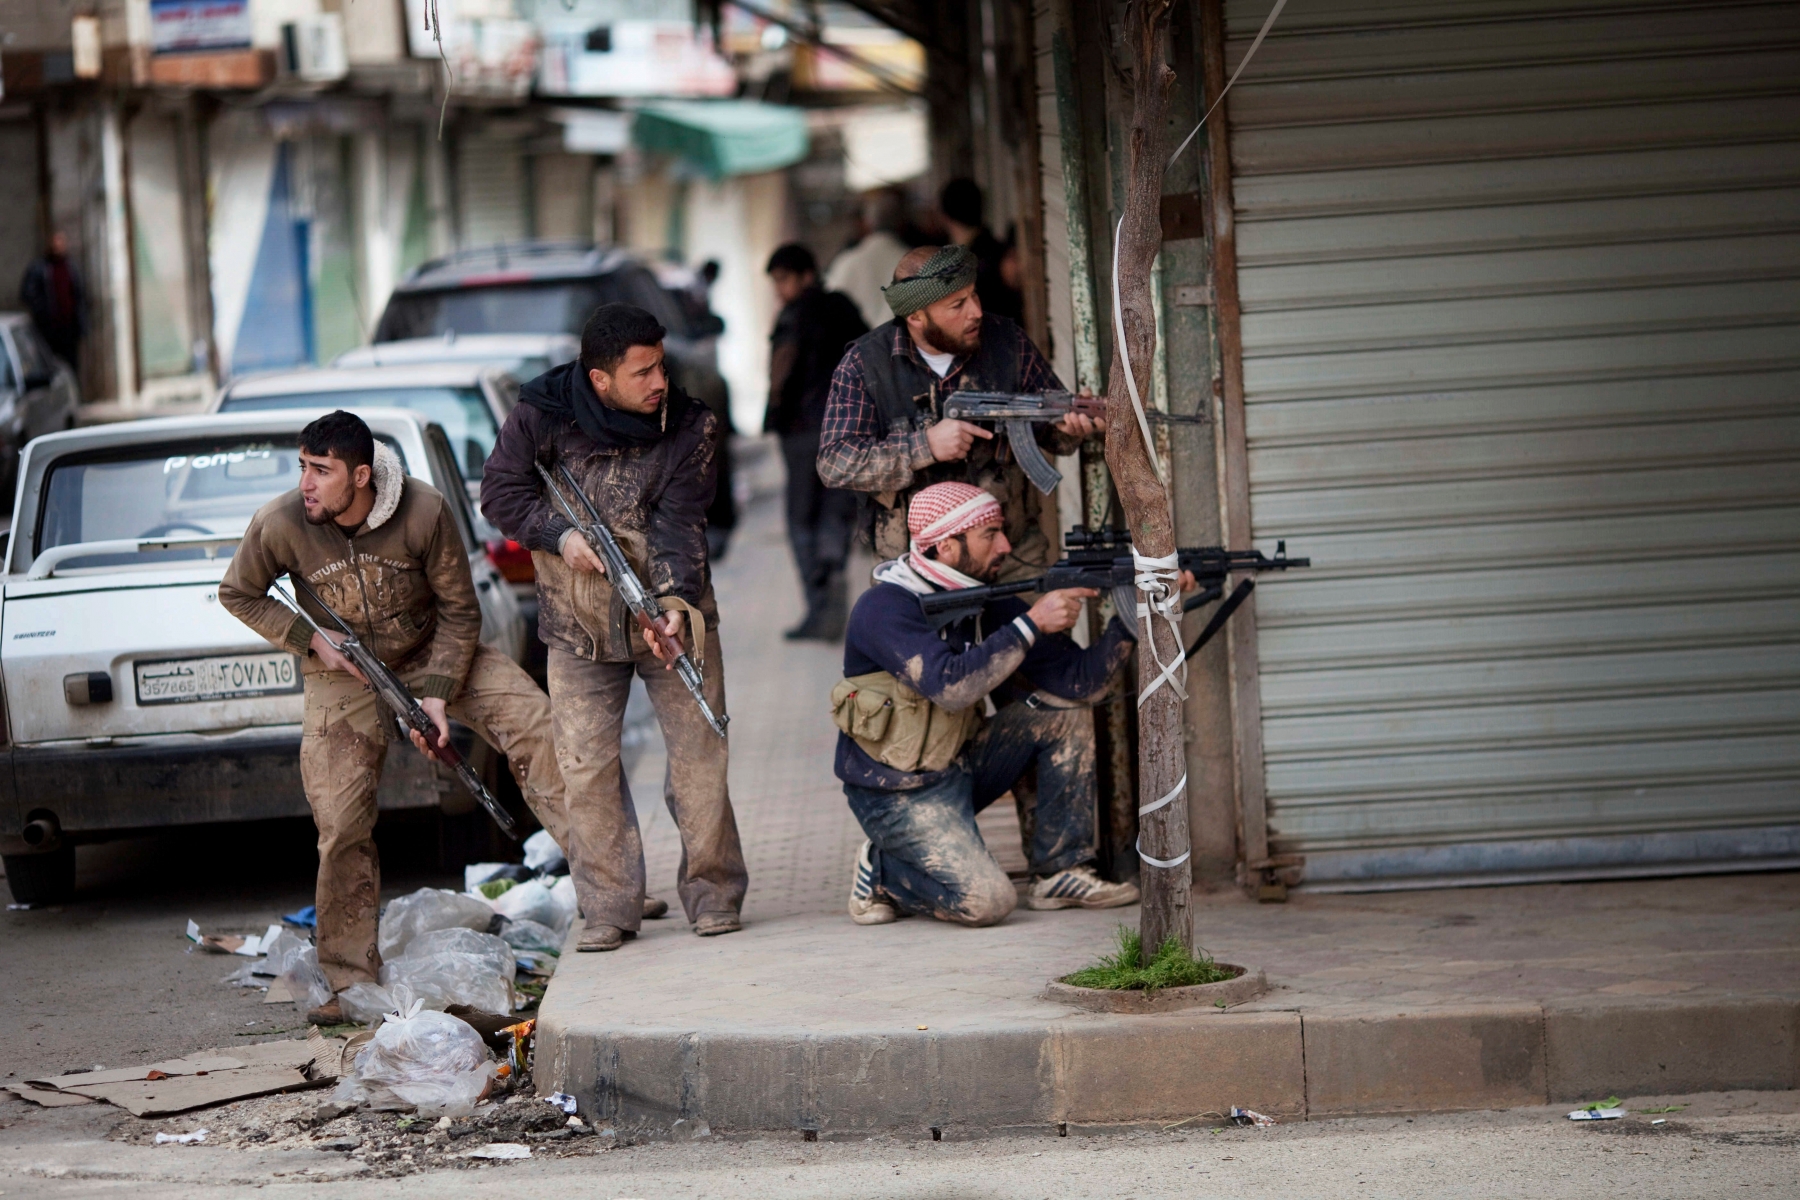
x,y
809,338
961,206
861,271
52,293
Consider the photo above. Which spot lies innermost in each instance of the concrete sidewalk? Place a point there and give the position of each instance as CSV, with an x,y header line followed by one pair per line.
x,y
1478,998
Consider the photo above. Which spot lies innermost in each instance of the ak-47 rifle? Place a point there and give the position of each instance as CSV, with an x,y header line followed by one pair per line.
x,y
1101,559
1014,413
400,701
631,589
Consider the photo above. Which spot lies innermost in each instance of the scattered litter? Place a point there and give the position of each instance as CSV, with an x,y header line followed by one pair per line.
x,y
181,1084
424,911
1667,1108
476,874
543,855
181,1139
1600,1110
368,1003
529,901
922,1027
1249,1116
500,1150
687,1129
306,918
429,1059
493,889
249,945
455,966
17,907
1660,1121
562,1100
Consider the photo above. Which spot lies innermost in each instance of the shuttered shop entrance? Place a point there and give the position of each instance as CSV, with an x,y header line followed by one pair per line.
x,y
1521,333
490,190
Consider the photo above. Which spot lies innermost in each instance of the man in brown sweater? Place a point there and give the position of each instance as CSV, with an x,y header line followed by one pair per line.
x,y
382,549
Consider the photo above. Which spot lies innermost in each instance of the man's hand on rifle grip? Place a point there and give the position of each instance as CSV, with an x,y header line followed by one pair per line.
x,y
1080,424
950,440
435,709
325,646
1057,612
579,555
669,625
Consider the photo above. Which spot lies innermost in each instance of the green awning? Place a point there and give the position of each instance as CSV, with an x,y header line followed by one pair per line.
x,y
723,137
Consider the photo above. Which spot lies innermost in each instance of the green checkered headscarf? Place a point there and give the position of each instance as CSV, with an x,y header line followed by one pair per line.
x,y
949,270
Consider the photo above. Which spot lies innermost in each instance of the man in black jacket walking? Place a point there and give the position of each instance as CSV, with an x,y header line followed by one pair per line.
x,y
645,454
810,335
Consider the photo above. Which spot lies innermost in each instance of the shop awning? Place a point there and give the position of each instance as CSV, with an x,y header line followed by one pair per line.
x,y
723,137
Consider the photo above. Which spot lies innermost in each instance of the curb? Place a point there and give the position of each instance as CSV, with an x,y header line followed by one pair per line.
x,y
1099,1069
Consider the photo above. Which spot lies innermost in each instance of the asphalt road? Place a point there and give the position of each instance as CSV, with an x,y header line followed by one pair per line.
x,y
1738,1145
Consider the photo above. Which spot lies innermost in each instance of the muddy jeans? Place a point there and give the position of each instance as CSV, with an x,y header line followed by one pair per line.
x,y
588,699
928,854
344,741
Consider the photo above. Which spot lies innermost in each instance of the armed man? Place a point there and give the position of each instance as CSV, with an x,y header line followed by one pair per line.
x,y
610,432
381,549
884,432
915,757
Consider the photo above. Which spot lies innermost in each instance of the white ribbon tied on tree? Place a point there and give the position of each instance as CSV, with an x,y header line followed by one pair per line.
x,y
1158,596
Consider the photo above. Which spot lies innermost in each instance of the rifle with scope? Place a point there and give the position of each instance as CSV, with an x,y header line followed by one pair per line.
x,y
1101,559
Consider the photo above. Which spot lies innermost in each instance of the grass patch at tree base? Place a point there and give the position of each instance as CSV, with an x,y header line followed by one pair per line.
x,y
1173,966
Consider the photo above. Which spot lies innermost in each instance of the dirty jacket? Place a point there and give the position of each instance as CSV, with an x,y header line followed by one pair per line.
x,y
653,497
1000,652
882,400
400,580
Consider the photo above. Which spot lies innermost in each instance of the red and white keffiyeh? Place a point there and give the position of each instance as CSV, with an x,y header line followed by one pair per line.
x,y
937,514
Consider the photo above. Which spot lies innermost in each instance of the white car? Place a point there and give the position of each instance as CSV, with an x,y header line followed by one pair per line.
x,y
133,700
469,399
522,355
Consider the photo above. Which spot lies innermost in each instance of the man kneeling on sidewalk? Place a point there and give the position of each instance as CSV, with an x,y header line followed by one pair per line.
x,y
915,756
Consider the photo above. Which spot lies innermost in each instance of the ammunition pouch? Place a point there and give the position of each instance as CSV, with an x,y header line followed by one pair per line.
x,y
898,727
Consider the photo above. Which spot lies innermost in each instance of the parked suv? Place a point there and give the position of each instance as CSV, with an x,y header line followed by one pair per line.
x,y
133,700
549,287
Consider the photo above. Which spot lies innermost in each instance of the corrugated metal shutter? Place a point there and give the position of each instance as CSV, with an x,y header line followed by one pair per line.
x,y
490,190
1521,294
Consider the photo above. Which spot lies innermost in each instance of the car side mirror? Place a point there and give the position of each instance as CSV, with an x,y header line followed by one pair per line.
x,y
38,379
710,325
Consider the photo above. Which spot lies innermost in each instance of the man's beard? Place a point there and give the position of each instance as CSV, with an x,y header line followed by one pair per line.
x,y
326,513
948,343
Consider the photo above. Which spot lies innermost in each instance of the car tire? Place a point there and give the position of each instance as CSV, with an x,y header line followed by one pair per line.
x,y
41,878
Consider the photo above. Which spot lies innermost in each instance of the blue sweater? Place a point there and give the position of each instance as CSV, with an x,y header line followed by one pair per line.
x,y
960,665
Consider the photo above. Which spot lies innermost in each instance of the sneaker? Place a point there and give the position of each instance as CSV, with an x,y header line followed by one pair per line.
x,y
865,907
1078,887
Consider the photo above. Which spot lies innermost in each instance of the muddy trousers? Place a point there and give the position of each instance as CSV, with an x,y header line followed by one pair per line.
x,y
928,854
344,742
588,699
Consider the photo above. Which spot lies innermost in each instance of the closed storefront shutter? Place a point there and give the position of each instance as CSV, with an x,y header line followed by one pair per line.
x,y
1521,334
490,190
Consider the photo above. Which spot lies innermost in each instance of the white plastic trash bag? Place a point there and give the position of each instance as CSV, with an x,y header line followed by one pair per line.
x,y
529,901
441,980
493,952
424,1058
425,910
543,855
564,895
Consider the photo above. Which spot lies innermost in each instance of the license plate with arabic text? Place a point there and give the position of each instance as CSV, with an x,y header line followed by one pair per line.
x,y
220,677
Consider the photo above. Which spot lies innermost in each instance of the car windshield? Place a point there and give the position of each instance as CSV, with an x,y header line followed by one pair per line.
x,y
186,489
559,307
462,411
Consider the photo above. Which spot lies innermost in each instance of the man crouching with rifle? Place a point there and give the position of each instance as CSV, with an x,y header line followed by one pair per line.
x,y
381,550
917,760
608,444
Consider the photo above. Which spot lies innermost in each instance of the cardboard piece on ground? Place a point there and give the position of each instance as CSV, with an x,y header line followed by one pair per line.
x,y
278,994
47,1097
200,1064
177,1094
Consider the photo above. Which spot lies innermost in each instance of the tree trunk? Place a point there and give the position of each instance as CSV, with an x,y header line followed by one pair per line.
x,y
1163,833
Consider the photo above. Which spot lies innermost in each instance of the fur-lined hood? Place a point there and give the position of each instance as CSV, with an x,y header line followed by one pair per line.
x,y
390,482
